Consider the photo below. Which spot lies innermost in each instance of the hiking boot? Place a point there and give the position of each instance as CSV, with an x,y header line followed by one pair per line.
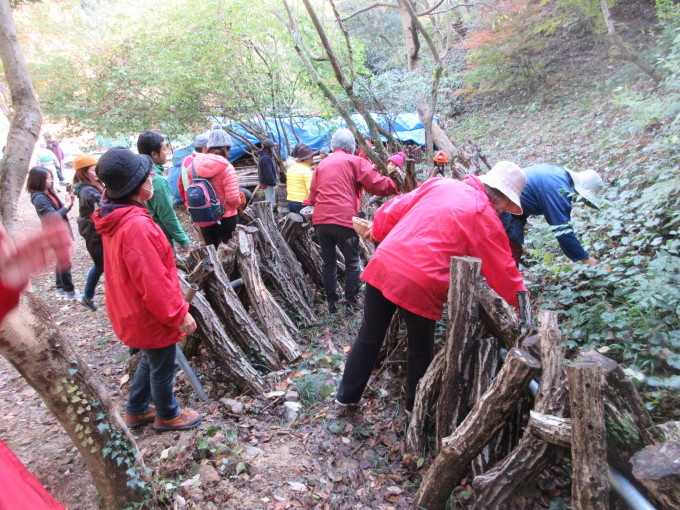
x,y
353,307
88,303
332,307
61,294
133,421
185,420
74,295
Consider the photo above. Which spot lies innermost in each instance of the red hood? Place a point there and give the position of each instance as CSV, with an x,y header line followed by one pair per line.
x,y
110,217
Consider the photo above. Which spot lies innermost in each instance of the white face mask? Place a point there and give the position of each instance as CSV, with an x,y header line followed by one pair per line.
x,y
149,191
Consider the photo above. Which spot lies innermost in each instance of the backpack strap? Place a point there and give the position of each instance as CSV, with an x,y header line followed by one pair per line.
x,y
193,171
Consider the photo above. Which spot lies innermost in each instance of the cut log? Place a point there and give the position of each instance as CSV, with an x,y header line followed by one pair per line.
x,y
525,313
508,485
297,233
230,362
501,320
669,431
589,483
273,320
423,408
226,253
226,304
551,429
366,250
461,335
484,421
279,264
657,468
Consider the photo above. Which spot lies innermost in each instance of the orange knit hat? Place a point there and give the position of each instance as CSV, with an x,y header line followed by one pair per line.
x,y
83,161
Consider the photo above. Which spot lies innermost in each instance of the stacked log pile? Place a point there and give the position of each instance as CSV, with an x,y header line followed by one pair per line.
x,y
589,411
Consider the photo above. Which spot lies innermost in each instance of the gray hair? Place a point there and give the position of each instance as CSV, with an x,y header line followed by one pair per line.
x,y
343,139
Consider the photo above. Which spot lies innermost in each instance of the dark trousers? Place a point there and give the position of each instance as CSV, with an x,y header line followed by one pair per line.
x,y
346,239
220,233
64,280
295,206
378,312
155,377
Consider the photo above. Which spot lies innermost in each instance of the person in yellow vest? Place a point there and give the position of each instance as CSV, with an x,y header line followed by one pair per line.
x,y
299,177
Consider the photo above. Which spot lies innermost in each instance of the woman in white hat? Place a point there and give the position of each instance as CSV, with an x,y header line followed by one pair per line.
x,y
419,233
548,193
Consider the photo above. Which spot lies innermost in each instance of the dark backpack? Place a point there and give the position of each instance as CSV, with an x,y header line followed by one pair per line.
x,y
204,206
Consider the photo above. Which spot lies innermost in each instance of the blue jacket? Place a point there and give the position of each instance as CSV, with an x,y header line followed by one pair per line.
x,y
266,168
548,193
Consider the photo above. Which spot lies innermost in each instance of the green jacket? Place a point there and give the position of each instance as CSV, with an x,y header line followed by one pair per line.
x,y
160,208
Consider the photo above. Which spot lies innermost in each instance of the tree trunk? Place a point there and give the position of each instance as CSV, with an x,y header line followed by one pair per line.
x,y
273,320
31,342
26,121
657,467
230,362
461,339
483,422
589,482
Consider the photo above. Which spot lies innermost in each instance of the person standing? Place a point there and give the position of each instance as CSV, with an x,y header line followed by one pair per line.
x,y
266,171
143,297
53,145
549,193
47,204
200,147
88,189
419,232
335,192
152,144
299,178
47,159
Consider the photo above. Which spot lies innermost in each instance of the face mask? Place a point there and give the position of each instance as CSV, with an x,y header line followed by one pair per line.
x,y
149,190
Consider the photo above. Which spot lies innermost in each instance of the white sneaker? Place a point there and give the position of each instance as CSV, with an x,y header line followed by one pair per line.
x,y
72,296
61,294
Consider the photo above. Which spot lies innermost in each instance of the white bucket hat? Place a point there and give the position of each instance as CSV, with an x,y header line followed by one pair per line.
x,y
509,179
587,184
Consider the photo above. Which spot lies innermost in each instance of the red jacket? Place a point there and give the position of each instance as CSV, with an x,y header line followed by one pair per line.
x,y
143,297
184,170
420,232
222,177
337,185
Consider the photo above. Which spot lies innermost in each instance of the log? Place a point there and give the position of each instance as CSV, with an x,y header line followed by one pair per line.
x,y
226,304
507,485
366,250
298,235
273,320
501,320
669,431
525,313
229,360
423,407
589,483
279,265
551,429
484,421
462,327
226,253
657,468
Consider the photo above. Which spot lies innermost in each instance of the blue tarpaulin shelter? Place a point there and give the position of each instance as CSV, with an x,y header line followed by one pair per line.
x,y
316,132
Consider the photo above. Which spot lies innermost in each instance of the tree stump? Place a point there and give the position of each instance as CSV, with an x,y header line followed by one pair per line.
x,y
298,235
461,333
226,304
231,363
589,483
484,421
274,322
657,468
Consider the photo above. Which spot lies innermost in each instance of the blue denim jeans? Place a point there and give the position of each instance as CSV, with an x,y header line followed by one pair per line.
x,y
270,195
92,280
347,240
155,377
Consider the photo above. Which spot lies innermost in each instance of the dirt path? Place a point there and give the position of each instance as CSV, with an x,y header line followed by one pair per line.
x,y
252,458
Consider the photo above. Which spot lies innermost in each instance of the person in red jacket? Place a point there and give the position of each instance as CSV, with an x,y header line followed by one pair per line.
x,y
184,179
419,232
335,192
143,297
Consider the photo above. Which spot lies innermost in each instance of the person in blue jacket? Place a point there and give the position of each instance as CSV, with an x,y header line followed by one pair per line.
x,y
549,192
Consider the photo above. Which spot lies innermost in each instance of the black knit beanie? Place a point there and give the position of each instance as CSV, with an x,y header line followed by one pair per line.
x,y
122,171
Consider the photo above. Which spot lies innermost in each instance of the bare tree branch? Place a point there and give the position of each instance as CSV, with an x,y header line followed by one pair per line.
x,y
372,6
348,43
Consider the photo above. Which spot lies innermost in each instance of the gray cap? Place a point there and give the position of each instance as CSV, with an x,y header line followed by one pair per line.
x,y
268,143
201,140
218,137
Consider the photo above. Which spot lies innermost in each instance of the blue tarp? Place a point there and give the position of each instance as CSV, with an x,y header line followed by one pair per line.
x,y
315,132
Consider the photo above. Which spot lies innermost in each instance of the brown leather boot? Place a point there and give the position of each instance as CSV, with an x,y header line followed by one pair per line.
x,y
185,420
133,421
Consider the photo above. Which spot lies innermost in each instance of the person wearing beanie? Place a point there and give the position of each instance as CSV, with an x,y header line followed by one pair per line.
x,y
88,188
200,147
419,232
299,178
324,152
396,161
548,193
337,186
266,171
144,300
152,144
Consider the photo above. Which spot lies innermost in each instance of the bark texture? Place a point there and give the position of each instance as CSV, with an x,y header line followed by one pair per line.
x,y
657,467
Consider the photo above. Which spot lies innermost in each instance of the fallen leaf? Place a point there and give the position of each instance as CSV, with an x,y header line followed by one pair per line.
x,y
124,379
164,453
297,486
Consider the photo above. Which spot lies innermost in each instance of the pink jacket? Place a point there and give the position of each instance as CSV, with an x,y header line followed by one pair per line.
x,y
420,232
337,185
223,178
